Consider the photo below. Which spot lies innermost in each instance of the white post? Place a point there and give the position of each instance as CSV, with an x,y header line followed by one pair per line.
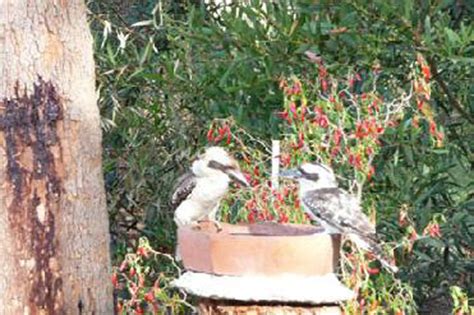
x,y
275,163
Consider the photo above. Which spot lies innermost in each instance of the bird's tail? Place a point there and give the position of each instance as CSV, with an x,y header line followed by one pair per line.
x,y
371,246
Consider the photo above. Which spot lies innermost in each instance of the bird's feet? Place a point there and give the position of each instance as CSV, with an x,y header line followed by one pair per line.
x,y
204,223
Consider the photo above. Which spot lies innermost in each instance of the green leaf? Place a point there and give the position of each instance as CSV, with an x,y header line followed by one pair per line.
x,y
142,23
110,54
453,37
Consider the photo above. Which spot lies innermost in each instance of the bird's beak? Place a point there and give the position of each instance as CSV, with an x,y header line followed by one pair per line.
x,y
291,173
238,177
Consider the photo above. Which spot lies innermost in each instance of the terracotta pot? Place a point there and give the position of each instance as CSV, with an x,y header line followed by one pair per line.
x,y
258,249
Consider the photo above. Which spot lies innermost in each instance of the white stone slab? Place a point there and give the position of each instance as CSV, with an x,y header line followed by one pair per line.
x,y
285,288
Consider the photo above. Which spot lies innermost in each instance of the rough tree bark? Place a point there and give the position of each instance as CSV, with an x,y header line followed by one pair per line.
x,y
54,239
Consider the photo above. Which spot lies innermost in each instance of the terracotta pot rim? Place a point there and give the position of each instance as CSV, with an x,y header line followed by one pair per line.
x,y
262,248
260,229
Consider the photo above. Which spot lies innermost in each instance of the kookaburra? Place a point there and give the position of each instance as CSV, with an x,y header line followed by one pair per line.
x,y
336,210
198,193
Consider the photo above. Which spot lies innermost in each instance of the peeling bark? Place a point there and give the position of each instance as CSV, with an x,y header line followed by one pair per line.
x,y
54,237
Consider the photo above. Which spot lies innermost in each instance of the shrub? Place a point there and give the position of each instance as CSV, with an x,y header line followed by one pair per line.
x,y
167,69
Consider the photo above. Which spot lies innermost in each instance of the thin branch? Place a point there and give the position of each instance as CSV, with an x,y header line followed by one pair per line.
x,y
452,99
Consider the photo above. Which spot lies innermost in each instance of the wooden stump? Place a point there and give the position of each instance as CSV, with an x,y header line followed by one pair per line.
x,y
225,307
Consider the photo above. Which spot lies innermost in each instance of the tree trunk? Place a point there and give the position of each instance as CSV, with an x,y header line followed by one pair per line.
x,y
54,239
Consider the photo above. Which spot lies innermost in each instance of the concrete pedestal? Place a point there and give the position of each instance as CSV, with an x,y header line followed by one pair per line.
x,y
285,294
261,269
223,307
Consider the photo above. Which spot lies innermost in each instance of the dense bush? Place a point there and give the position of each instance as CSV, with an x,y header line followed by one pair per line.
x,y
167,69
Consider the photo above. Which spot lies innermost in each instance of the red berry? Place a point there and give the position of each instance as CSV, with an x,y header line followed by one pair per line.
x,y
139,310
115,280
375,106
142,251
210,135
283,218
149,297
256,171
297,203
296,88
419,104
251,217
300,140
285,116
373,271
426,72
432,230
351,82
119,308
293,109
323,121
370,173
440,136
303,113
322,71
221,131
123,265
432,127
324,85
337,136
369,151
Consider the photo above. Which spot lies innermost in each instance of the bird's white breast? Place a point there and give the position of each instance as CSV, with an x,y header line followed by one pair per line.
x,y
203,200
209,189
